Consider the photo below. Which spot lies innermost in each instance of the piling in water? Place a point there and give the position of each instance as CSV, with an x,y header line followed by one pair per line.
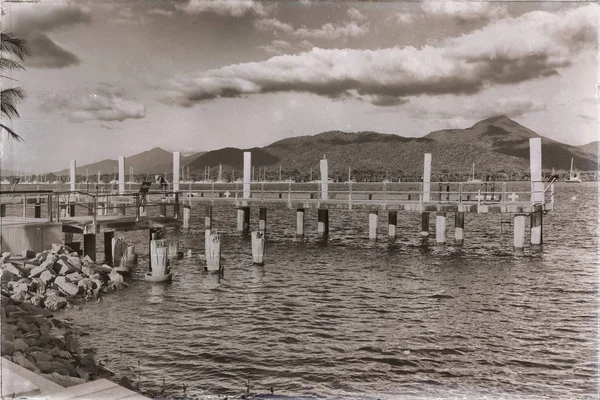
x,y
258,247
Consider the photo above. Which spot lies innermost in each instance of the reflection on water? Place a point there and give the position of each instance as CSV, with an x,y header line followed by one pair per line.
x,y
359,319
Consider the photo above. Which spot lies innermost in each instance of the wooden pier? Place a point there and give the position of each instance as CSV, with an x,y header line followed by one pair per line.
x,y
121,210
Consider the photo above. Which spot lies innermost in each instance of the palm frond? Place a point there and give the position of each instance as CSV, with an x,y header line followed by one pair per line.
x,y
8,98
11,133
8,64
14,45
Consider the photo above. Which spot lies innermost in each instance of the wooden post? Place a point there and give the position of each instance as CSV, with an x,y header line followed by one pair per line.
x,y
247,172
300,222
262,219
246,225
158,257
426,177
89,245
3,210
392,223
163,210
424,224
208,217
131,256
323,221
72,210
213,251
373,221
440,227
519,232
258,247
72,175
108,247
176,162
37,211
119,252
173,250
186,216
154,234
459,225
121,175
240,220
324,179
535,167
536,228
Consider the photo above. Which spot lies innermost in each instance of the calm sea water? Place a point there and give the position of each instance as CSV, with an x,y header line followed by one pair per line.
x,y
355,319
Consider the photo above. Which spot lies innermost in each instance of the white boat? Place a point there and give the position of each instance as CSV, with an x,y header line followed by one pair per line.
x,y
472,177
573,176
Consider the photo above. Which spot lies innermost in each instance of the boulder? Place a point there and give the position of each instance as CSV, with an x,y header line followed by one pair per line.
x,y
20,345
6,256
67,288
28,253
88,260
37,286
71,344
8,348
75,277
13,269
51,257
25,363
56,248
103,269
49,366
82,374
87,271
55,302
120,285
18,286
75,261
48,276
41,356
37,271
19,297
32,310
114,276
63,380
65,267
37,300
8,276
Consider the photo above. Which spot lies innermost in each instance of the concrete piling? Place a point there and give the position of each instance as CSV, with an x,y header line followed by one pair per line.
x,y
262,219
536,228
373,222
392,224
108,247
186,216
300,222
440,228
519,232
213,251
424,224
459,225
258,247
158,257
243,220
323,221
207,217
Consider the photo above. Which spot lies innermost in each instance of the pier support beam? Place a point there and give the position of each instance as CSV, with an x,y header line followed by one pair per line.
x,y
89,245
536,228
186,216
459,225
519,232
392,223
440,228
121,175
373,221
243,220
37,211
258,247
72,175
426,176
176,162
108,237
324,179
323,221
163,210
247,172
300,222
425,224
262,219
207,217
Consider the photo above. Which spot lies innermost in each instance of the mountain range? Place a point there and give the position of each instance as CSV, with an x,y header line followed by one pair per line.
x,y
494,144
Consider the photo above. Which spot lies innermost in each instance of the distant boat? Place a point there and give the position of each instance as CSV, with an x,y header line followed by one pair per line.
x,y
573,176
472,177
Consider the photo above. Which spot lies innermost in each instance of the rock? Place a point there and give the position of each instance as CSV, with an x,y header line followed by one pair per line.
x,y
71,344
50,257
39,270
75,277
25,363
87,271
65,267
18,286
114,276
6,255
63,380
8,276
82,374
37,300
32,310
67,288
103,269
28,253
56,248
8,348
41,356
75,261
55,302
49,366
87,259
19,297
48,276
20,345
37,286
120,285
13,269
89,362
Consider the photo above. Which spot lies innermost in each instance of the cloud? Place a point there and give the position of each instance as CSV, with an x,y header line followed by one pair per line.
x,y
106,103
464,11
480,108
162,12
331,31
272,24
232,8
33,23
509,51
283,47
402,18
356,15
127,16
587,117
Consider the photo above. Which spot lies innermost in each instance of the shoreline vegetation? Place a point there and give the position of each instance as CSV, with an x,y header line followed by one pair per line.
x,y
35,288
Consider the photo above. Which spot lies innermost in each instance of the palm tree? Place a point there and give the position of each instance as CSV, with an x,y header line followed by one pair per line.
x,y
11,45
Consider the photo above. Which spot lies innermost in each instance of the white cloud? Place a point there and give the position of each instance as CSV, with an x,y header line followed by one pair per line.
x,y
160,11
277,47
233,8
127,16
510,51
464,10
331,31
479,108
106,103
402,18
272,24
356,15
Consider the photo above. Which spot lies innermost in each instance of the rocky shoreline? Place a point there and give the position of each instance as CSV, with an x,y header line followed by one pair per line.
x,y
35,286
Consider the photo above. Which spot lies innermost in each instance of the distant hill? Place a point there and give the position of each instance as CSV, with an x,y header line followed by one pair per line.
x,y
232,157
590,148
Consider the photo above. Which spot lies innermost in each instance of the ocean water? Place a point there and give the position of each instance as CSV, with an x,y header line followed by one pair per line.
x,y
350,318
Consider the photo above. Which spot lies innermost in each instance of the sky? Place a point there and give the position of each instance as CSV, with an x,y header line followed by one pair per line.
x,y
117,78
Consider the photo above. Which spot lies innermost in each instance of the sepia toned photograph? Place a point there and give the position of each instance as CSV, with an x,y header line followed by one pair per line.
x,y
244,199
